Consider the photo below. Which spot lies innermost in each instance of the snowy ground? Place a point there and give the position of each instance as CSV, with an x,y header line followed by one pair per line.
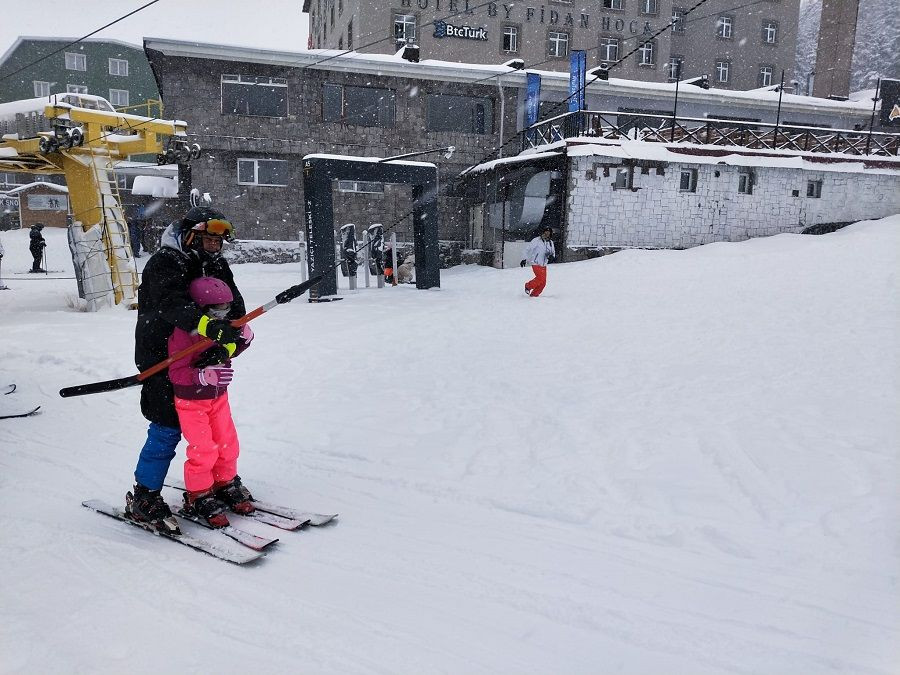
x,y
673,462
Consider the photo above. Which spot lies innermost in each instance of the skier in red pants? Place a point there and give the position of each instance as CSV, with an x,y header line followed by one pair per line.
x,y
201,401
539,253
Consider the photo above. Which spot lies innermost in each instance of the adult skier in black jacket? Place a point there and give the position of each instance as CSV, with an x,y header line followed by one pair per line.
x,y
189,249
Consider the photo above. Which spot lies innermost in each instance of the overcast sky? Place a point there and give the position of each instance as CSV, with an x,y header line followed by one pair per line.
x,y
268,24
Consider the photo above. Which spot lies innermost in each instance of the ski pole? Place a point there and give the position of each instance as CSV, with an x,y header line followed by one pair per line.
x,y
124,382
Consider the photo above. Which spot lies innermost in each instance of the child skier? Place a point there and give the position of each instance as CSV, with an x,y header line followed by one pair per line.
x,y
201,401
538,254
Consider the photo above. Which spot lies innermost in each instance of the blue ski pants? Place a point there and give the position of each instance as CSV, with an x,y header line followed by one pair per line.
x,y
156,455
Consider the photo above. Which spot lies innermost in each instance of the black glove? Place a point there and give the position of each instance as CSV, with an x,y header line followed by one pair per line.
x,y
522,264
219,330
212,357
551,259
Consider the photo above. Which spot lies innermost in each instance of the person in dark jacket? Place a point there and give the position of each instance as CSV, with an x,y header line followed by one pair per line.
x,y
36,246
190,249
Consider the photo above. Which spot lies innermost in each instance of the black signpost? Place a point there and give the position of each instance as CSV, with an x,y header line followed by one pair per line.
x,y
319,174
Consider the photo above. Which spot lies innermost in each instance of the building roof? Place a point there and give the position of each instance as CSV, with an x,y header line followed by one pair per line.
x,y
16,190
473,73
623,149
43,38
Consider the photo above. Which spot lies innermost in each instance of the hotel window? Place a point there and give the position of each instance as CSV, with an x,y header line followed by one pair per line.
x,y
41,88
363,106
118,97
678,19
557,43
745,182
770,32
118,67
510,39
649,6
609,49
78,89
676,67
613,4
723,70
687,181
765,76
254,96
264,172
814,189
465,114
76,61
646,54
404,28
725,27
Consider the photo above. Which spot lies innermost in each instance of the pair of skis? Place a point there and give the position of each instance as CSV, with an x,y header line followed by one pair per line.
x,y
11,411
253,547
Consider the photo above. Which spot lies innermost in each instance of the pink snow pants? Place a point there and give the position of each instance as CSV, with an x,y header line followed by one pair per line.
x,y
213,448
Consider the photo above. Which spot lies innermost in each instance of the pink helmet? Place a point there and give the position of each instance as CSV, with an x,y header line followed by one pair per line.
x,y
210,291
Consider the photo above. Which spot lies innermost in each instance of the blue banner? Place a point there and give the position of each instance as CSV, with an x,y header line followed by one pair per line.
x,y
532,98
577,74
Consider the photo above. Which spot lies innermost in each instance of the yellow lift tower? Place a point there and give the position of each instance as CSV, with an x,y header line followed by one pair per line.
x,y
83,137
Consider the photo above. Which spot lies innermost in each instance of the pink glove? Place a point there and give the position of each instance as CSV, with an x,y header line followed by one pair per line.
x,y
246,335
215,376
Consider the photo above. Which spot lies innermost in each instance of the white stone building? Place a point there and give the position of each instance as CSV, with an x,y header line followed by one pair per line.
x,y
634,194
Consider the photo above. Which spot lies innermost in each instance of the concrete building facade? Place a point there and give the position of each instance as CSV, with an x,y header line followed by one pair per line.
x,y
738,45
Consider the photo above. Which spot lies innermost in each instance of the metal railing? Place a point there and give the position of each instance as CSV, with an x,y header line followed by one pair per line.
x,y
152,107
708,131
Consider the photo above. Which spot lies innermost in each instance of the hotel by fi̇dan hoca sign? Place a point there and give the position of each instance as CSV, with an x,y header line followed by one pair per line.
x,y
519,11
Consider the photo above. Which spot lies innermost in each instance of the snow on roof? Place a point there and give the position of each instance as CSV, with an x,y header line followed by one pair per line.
x,y
524,157
693,154
704,154
43,38
27,186
391,64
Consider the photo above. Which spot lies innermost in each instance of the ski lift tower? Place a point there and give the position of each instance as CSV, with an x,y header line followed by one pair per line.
x,y
83,137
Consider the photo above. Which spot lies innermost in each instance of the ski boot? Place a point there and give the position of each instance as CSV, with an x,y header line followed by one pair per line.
x,y
205,505
147,506
235,496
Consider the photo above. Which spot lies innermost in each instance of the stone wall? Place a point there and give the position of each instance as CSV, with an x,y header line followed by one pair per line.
x,y
656,214
277,212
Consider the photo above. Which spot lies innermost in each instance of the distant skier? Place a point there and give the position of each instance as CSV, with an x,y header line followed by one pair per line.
x,y
190,248
538,254
201,400
37,246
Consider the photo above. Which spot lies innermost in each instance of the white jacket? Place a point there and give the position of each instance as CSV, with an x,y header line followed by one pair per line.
x,y
539,251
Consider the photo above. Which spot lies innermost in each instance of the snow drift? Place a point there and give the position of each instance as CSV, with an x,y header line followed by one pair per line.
x,y
672,462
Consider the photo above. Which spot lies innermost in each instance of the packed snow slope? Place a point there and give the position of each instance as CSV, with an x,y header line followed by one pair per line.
x,y
672,462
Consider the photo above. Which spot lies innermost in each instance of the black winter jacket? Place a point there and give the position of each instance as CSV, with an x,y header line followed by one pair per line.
x,y
37,243
163,303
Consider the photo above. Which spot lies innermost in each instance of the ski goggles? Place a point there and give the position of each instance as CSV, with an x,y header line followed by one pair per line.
x,y
216,226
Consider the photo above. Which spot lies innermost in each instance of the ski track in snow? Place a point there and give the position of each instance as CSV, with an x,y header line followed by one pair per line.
x,y
677,461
